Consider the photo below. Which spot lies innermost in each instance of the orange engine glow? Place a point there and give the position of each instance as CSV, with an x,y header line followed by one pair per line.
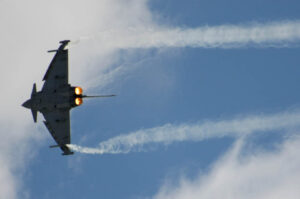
x,y
78,90
78,101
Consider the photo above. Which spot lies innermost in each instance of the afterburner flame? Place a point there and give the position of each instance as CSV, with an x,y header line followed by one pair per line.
x,y
78,90
78,101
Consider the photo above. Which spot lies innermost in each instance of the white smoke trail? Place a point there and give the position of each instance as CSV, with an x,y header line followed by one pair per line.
x,y
279,34
169,133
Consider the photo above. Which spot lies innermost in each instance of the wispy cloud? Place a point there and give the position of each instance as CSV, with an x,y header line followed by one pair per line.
x,y
108,42
169,133
260,174
278,33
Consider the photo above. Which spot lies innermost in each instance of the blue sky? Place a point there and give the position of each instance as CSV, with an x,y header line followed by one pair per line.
x,y
158,85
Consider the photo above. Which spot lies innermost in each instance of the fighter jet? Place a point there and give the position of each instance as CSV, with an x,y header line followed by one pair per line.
x,y
57,98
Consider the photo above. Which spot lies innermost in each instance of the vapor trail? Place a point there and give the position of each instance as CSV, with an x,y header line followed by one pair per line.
x,y
169,133
279,34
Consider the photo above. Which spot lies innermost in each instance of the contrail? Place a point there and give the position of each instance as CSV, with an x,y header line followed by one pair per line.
x,y
167,134
274,34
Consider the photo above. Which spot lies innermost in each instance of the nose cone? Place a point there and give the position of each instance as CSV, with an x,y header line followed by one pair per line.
x,y
27,104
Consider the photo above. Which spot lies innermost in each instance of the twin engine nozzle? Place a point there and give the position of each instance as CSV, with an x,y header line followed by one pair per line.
x,y
78,96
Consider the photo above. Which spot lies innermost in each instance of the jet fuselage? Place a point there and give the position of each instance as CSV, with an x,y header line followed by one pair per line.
x,y
49,100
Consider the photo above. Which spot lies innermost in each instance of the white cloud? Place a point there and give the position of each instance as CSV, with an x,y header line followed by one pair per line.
x,y
169,133
259,175
29,29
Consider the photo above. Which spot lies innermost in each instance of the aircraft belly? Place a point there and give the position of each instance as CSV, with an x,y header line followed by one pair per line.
x,y
53,102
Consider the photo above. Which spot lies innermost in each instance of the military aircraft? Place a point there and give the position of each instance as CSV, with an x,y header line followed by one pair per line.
x,y
57,98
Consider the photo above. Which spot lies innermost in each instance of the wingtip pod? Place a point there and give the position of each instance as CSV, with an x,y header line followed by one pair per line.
x,y
63,43
68,153
66,150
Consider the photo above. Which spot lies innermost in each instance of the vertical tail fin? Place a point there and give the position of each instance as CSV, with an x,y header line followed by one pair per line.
x,y
34,112
33,90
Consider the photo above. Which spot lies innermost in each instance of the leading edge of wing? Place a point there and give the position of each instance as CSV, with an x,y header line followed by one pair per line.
x,y
61,48
58,125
